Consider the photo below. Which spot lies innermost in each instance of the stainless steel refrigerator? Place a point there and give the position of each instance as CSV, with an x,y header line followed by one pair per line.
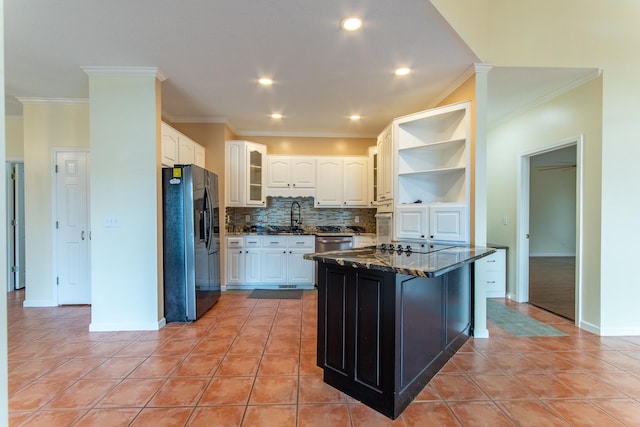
x,y
191,229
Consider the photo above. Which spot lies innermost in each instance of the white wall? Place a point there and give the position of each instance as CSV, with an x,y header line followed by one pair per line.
x,y
570,115
14,142
575,33
552,208
4,397
47,125
125,185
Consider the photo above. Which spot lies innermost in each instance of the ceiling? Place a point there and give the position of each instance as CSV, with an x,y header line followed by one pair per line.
x,y
213,52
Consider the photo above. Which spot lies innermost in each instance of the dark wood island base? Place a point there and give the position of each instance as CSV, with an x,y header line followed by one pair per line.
x,y
383,335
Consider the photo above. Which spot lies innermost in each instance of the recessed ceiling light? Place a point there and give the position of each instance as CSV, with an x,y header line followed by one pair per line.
x,y
276,116
351,23
355,117
264,81
402,71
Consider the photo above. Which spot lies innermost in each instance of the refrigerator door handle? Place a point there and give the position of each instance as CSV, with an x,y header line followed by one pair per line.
x,y
207,219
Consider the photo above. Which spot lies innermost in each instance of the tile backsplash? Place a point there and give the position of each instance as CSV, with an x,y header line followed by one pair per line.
x,y
278,212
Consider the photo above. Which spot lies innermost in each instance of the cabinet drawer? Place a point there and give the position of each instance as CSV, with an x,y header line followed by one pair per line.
x,y
235,242
497,261
300,242
496,284
270,242
252,241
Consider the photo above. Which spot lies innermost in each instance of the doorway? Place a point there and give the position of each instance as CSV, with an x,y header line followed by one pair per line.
x,y
72,227
15,226
552,231
549,228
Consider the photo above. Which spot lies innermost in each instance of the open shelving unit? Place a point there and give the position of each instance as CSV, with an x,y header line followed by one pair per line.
x,y
433,155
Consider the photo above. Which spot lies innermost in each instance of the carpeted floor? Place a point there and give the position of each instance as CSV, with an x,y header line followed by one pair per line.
x,y
517,323
276,294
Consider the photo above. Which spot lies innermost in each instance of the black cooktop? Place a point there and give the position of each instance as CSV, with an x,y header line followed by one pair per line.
x,y
411,246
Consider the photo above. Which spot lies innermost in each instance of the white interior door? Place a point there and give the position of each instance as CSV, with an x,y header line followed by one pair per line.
x,y
72,226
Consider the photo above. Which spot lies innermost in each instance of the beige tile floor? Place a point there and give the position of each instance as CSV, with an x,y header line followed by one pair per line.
x,y
252,363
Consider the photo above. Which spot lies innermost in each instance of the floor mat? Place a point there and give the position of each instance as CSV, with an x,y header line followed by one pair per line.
x,y
276,294
517,323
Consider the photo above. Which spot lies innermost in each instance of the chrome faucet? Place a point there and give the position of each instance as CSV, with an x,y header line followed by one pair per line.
x,y
297,221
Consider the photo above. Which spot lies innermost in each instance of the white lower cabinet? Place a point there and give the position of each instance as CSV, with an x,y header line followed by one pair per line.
x,y
448,222
496,273
274,259
438,222
269,262
300,271
412,222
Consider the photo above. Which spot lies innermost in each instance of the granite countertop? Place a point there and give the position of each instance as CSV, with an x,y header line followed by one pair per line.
x,y
431,264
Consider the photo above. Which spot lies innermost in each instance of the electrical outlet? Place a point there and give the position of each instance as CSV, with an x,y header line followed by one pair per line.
x,y
505,220
356,219
247,218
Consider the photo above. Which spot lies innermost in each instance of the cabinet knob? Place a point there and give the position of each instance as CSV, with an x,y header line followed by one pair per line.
x,y
284,252
431,237
288,185
294,185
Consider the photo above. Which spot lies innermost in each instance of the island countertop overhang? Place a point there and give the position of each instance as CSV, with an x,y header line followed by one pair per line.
x,y
432,264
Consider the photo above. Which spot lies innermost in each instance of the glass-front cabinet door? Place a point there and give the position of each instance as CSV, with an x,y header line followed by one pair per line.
x,y
256,174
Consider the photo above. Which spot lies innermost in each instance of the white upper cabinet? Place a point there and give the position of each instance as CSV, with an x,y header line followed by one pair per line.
x,y
186,151
199,155
342,182
169,145
372,176
385,166
329,189
291,176
178,149
245,173
355,189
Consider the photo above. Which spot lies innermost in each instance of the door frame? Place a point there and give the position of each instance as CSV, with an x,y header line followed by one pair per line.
x,y
522,228
9,203
54,210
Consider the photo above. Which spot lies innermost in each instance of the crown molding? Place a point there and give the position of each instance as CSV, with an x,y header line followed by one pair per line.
x,y
124,72
304,134
470,71
13,117
198,119
594,73
482,68
30,100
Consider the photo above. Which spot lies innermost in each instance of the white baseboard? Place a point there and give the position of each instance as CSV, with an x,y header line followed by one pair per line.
x,y
481,333
590,327
126,326
39,303
552,254
619,332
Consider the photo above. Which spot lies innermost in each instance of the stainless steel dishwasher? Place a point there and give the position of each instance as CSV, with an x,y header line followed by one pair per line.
x,y
326,241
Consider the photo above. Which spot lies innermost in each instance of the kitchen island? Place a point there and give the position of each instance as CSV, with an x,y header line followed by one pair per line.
x,y
389,320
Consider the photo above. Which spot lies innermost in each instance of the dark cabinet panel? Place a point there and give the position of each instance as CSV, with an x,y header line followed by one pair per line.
x,y
421,321
336,321
368,330
458,303
382,336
